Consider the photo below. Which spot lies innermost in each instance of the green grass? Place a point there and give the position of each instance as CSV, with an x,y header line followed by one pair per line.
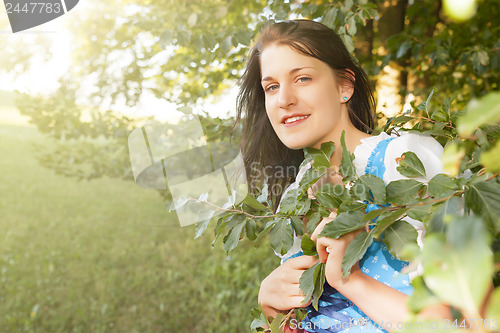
x,y
105,256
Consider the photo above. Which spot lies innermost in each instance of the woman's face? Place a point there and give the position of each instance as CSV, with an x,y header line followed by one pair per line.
x,y
303,101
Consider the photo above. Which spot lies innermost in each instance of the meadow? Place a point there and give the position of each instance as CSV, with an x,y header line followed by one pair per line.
x,y
107,256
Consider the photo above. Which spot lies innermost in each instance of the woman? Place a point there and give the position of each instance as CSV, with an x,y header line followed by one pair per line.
x,y
302,88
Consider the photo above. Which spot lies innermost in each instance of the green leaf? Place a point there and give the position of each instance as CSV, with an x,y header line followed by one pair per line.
x,y
209,41
166,38
289,202
376,213
352,206
440,115
420,213
490,158
400,192
480,112
351,22
493,311
371,188
435,223
326,195
303,206
306,282
346,167
330,17
319,282
308,246
484,199
401,120
259,319
347,39
442,185
421,297
310,177
428,102
405,46
343,224
386,220
397,235
355,251
178,204
263,233
204,217
276,323
253,203
321,157
281,236
192,19
347,5
313,222
458,269
183,37
264,194
251,229
197,43
233,237
221,226
225,45
311,283
411,166
298,225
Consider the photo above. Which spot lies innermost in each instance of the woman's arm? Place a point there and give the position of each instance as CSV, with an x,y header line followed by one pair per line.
x,y
383,304
280,292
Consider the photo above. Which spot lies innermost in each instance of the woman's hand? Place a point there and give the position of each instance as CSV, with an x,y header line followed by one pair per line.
x,y
280,290
331,251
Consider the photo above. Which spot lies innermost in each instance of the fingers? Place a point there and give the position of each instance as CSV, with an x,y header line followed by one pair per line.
x,y
301,262
298,302
324,245
320,226
310,193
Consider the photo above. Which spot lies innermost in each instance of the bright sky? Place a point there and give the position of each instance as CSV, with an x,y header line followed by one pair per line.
x,y
42,78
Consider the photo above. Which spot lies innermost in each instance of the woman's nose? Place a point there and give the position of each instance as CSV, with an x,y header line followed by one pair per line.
x,y
286,97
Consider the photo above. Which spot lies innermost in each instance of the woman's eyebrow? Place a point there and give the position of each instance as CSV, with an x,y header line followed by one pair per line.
x,y
292,71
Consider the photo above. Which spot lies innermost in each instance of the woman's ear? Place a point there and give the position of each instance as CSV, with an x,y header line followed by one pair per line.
x,y
347,86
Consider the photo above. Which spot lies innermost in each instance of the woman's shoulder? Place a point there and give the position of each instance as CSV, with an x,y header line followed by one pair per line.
x,y
427,149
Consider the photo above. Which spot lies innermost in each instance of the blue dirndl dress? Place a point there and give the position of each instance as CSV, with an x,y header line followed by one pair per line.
x,y
335,312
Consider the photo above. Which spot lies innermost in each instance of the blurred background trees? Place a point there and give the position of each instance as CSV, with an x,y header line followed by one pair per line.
x,y
191,52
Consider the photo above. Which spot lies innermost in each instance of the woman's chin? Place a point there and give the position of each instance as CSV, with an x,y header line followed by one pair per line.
x,y
295,146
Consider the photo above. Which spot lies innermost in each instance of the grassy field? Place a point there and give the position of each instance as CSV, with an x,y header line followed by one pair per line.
x,y
105,255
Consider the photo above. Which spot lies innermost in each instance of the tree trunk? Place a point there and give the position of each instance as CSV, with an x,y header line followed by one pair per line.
x,y
391,79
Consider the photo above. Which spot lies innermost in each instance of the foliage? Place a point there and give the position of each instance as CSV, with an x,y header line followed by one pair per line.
x,y
460,211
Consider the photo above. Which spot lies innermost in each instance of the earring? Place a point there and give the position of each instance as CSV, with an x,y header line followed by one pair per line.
x,y
345,98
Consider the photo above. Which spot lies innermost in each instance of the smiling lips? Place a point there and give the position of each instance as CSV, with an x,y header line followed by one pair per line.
x,y
294,119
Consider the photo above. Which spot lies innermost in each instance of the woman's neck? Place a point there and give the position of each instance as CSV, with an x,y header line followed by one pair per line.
x,y
353,137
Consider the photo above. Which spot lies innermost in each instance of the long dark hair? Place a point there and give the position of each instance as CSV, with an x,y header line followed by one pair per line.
x,y
266,158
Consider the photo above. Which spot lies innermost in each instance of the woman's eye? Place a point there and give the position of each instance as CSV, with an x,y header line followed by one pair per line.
x,y
304,79
272,87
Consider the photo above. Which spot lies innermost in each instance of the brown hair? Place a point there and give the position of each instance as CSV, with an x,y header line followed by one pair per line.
x,y
261,147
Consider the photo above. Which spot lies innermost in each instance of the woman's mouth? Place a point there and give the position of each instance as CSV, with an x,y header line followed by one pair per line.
x,y
294,120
